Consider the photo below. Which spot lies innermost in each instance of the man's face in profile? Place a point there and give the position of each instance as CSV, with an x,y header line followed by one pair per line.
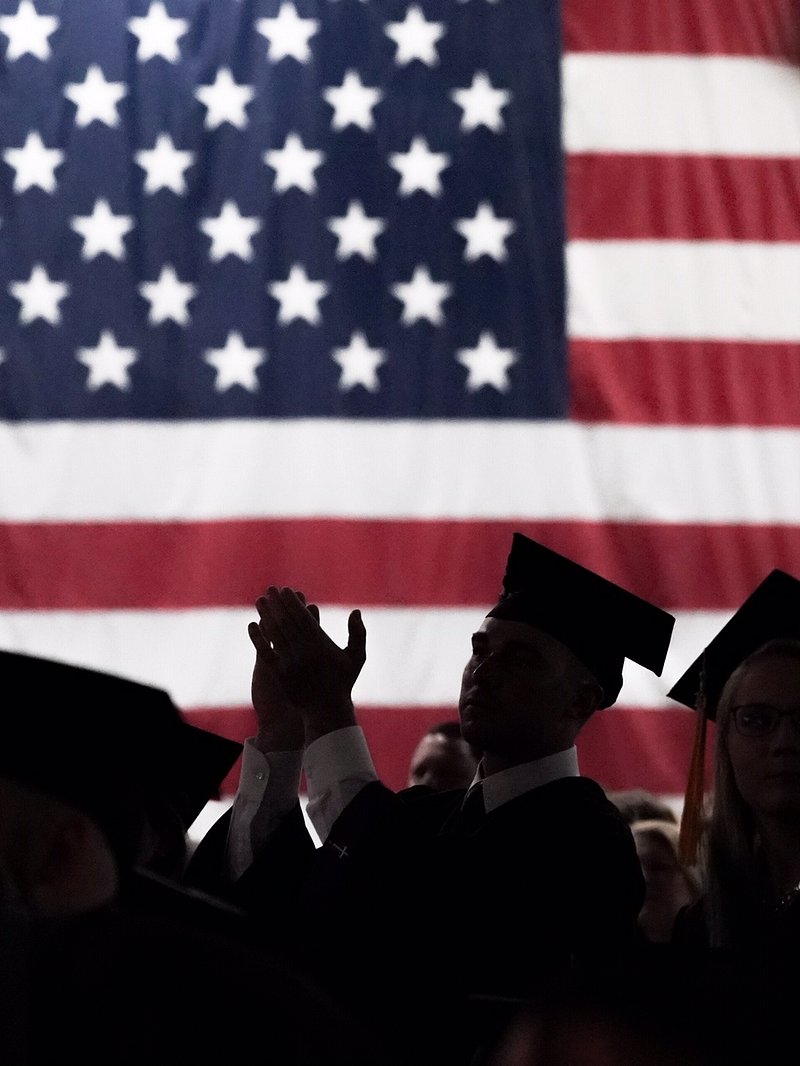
x,y
515,689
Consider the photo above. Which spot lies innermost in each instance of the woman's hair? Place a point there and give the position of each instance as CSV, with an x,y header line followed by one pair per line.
x,y
731,852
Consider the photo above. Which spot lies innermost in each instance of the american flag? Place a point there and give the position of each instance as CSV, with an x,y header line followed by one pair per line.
x,y
340,293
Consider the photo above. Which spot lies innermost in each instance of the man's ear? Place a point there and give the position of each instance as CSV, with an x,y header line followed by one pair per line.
x,y
53,860
588,697
56,857
75,870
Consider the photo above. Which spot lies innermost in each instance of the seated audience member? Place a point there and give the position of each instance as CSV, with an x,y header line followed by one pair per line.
x,y
670,885
512,858
443,759
748,679
103,961
636,804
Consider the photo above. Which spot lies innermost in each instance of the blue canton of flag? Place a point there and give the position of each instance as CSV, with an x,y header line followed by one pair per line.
x,y
315,208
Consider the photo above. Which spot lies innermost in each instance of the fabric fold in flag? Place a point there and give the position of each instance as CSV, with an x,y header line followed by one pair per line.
x,y
305,293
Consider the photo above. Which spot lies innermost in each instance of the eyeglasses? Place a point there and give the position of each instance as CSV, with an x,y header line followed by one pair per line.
x,y
761,720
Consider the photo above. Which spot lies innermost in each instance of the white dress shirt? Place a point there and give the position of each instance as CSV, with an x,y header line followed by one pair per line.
x,y
337,766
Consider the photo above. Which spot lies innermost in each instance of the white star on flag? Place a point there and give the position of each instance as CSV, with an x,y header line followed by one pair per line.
x,y
352,102
34,164
27,32
168,297
481,104
487,363
158,34
298,296
164,165
419,168
235,364
39,296
225,99
359,363
108,363
422,297
356,232
288,34
230,233
415,37
102,231
95,98
294,165
485,234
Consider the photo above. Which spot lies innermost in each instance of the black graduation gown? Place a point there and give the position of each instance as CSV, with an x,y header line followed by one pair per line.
x,y
162,977
437,933
752,986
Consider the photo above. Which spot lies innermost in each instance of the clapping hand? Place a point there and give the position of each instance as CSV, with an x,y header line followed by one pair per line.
x,y
280,724
301,670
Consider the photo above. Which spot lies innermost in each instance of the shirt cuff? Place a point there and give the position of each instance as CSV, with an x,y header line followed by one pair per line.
x,y
268,789
336,756
337,766
278,769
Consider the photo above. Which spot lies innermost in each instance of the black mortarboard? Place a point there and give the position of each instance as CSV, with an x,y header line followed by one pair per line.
x,y
771,610
600,622
103,742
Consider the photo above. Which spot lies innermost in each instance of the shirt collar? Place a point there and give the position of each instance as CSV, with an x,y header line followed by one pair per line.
x,y
506,785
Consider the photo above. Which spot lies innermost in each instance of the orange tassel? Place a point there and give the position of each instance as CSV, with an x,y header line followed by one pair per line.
x,y
693,816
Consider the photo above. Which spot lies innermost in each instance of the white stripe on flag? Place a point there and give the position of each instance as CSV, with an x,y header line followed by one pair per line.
x,y
414,656
717,105
135,471
684,290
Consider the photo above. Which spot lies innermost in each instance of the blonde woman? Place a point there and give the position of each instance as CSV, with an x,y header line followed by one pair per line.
x,y
751,853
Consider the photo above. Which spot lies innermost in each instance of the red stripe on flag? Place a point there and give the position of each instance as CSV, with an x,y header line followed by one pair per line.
x,y
686,383
235,723
625,747
97,566
392,733
622,747
725,27
619,747
721,198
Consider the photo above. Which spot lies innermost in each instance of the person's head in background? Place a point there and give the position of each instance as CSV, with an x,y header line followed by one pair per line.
x,y
636,804
652,1013
669,884
443,759
108,764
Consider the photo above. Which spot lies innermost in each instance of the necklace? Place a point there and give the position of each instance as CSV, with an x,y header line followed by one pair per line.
x,y
787,898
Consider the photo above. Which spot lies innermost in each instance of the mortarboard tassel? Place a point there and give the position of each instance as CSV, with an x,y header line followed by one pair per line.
x,y
693,814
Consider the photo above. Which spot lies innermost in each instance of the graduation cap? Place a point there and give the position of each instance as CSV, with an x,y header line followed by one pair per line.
x,y
601,623
107,744
772,610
